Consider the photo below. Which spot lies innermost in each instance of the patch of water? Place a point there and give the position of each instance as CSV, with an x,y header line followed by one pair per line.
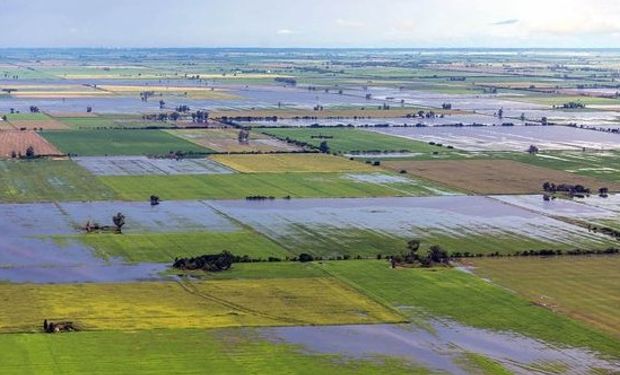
x,y
438,348
142,165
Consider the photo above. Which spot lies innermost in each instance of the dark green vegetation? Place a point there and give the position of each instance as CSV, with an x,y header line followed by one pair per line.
x,y
351,140
47,180
120,142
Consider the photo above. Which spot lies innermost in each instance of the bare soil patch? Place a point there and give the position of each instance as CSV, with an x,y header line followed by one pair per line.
x,y
19,141
493,176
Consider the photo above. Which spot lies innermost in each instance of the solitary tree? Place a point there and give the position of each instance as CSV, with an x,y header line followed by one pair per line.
x,y
324,147
119,221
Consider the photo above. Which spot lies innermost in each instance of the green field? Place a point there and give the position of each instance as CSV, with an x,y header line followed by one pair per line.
x,y
176,351
49,180
164,247
333,241
109,122
239,186
585,288
602,165
453,294
119,142
352,140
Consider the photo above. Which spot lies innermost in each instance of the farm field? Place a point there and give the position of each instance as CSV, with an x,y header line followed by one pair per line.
x,y
182,350
511,138
345,140
185,304
584,288
48,180
119,142
15,143
278,185
226,140
165,247
601,165
481,304
284,163
142,165
383,217
102,122
368,227
493,176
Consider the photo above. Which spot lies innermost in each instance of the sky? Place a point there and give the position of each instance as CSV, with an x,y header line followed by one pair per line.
x,y
310,23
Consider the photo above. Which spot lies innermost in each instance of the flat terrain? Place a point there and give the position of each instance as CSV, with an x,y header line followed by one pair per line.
x,y
119,142
213,304
584,288
165,247
49,180
179,351
279,185
352,140
601,165
142,165
477,303
226,140
493,176
279,163
17,141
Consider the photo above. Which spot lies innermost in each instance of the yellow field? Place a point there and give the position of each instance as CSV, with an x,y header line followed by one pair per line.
x,y
277,163
222,303
585,288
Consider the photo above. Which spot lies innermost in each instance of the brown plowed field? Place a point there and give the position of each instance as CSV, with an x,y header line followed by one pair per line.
x,y
493,176
19,141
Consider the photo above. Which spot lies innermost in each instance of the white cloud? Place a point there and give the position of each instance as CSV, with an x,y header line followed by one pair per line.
x,y
285,32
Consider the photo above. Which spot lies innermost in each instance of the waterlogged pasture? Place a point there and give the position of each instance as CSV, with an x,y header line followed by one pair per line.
x,y
352,140
49,180
584,288
229,351
367,227
226,140
601,164
422,295
360,121
142,165
512,138
444,346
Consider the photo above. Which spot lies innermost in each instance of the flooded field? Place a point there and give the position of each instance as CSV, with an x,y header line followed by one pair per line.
x,y
142,165
441,346
465,119
517,138
299,222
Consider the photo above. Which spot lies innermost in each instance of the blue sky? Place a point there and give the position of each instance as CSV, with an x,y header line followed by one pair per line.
x,y
305,23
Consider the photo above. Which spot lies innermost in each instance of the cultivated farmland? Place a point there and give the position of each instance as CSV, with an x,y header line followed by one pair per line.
x,y
120,142
226,140
493,176
15,143
279,163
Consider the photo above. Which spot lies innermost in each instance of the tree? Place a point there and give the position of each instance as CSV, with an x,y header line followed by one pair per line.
x,y
30,152
436,254
324,147
119,221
